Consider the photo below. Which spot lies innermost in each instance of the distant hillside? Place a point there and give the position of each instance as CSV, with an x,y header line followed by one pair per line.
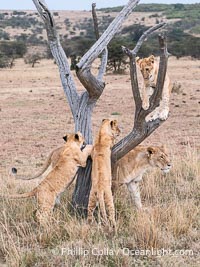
x,y
170,10
77,35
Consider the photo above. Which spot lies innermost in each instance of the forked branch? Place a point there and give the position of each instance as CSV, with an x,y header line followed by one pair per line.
x,y
142,128
94,85
133,69
107,36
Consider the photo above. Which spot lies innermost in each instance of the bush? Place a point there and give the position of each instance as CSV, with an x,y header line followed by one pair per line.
x,y
2,16
4,61
19,13
12,49
117,60
55,13
33,58
77,45
67,23
4,35
19,22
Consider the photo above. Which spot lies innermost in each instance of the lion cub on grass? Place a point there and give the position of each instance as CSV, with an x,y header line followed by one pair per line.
x,y
101,172
130,169
74,154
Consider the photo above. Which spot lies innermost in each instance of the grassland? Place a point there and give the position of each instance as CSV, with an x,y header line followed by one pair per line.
x,y
170,226
34,117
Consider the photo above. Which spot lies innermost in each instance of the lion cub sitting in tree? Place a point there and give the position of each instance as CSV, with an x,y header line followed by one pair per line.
x,y
101,172
130,169
149,69
74,154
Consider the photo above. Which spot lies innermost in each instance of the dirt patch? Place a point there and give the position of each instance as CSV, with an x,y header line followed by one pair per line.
x,y
34,113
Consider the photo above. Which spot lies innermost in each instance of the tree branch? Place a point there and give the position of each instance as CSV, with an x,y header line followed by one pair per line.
x,y
95,21
146,35
96,87
157,95
104,61
133,70
134,80
59,55
107,36
104,55
142,128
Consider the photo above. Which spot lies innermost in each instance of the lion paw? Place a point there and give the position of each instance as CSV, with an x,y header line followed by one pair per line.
x,y
145,105
163,115
160,113
153,116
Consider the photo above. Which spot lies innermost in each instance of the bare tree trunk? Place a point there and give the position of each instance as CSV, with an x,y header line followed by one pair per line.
x,y
83,185
82,105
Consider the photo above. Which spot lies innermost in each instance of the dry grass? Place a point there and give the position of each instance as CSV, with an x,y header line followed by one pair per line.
x,y
170,223
34,117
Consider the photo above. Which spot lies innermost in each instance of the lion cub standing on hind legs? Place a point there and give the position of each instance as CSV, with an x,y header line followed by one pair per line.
x,y
74,155
149,69
101,172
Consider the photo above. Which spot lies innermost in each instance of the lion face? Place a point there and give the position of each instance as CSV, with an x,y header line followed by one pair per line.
x,y
147,67
159,158
77,138
112,126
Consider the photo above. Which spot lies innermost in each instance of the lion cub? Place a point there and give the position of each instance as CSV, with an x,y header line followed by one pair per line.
x,y
130,169
101,172
149,68
74,154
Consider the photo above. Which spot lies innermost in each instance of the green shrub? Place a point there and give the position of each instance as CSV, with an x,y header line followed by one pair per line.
x,y
4,35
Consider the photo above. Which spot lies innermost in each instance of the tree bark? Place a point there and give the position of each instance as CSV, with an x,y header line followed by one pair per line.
x,y
83,184
82,105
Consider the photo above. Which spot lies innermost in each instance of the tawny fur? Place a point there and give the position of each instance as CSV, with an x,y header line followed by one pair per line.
x,y
60,177
101,172
149,69
130,169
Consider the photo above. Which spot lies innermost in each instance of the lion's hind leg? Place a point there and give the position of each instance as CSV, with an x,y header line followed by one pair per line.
x,y
102,206
46,203
91,205
162,111
110,206
96,197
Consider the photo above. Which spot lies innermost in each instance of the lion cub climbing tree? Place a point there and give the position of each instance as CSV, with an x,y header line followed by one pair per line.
x,y
82,105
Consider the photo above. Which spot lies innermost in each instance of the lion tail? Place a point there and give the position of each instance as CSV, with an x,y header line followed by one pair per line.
x,y
45,167
24,195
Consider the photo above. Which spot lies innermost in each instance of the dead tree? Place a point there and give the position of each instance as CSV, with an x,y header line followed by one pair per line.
x,y
82,105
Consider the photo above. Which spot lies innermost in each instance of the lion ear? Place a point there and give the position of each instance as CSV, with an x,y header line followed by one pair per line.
x,y
150,150
137,59
164,147
113,123
152,58
103,120
65,138
76,137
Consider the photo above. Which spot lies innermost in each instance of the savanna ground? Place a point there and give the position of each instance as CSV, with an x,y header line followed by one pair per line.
x,y
34,116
